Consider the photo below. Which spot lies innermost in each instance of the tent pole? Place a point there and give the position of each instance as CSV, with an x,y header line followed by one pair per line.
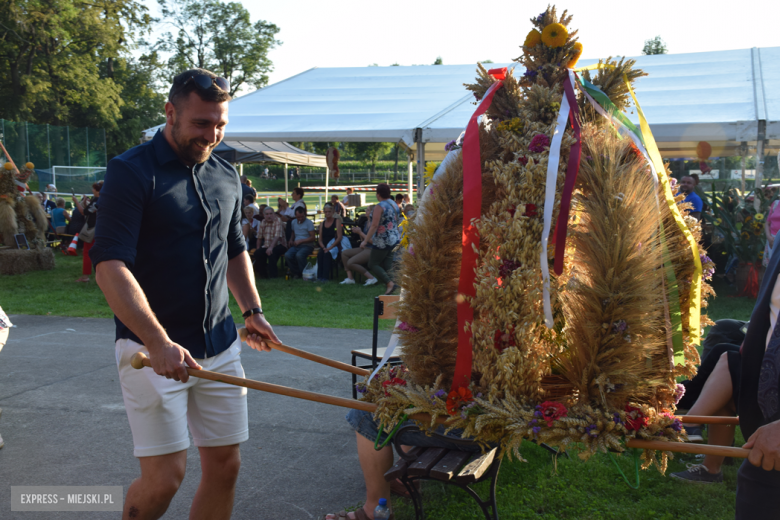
x,y
241,169
420,161
743,152
327,179
285,181
759,161
410,180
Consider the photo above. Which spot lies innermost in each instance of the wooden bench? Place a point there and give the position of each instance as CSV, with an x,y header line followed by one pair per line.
x,y
450,466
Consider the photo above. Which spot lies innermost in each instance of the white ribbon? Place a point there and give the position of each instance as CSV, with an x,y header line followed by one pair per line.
x,y
549,202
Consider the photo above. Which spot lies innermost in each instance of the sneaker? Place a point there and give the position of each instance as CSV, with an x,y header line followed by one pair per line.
x,y
370,281
698,473
694,434
348,281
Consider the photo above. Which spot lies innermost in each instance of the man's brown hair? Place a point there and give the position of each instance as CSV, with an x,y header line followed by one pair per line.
x,y
181,91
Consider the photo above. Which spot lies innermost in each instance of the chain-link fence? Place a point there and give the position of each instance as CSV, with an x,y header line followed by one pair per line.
x,y
46,145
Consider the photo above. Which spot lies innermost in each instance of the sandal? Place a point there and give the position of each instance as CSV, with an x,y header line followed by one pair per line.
x,y
391,290
359,515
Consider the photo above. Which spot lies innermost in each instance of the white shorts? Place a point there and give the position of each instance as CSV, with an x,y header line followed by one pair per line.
x,y
159,409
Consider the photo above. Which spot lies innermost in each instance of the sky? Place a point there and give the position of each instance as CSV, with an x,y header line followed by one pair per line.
x,y
358,33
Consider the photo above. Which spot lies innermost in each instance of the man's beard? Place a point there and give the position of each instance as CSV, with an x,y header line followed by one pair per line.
x,y
189,150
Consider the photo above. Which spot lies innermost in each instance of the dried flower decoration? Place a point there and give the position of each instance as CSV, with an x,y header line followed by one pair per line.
x,y
555,35
538,143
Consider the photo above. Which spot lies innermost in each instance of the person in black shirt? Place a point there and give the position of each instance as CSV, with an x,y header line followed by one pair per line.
x,y
168,246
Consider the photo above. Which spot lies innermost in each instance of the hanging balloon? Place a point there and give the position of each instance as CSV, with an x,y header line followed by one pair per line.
x,y
703,150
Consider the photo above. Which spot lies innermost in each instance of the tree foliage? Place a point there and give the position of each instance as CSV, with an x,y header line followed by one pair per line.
x,y
370,152
218,37
52,52
654,46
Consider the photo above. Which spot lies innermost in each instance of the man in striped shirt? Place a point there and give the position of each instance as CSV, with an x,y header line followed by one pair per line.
x,y
270,244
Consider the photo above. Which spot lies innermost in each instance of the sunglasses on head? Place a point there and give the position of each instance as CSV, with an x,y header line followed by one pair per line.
x,y
204,82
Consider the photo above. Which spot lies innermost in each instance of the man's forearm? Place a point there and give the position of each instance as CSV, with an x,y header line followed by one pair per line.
x,y
241,281
129,303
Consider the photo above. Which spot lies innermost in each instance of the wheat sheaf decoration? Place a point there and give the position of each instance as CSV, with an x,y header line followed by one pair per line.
x,y
578,342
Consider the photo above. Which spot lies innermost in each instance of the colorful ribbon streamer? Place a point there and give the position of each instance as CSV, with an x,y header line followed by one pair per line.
x,y
572,169
472,209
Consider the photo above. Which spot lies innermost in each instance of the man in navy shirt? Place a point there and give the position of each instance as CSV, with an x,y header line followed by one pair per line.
x,y
687,186
168,246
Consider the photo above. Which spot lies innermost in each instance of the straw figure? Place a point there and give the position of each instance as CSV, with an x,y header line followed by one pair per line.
x,y
598,364
20,214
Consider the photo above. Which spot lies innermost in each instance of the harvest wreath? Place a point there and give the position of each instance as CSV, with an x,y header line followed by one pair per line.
x,y
564,305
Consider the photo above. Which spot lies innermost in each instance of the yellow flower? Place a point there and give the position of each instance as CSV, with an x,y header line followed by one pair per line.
x,y
430,169
759,216
577,48
748,218
718,222
533,39
554,35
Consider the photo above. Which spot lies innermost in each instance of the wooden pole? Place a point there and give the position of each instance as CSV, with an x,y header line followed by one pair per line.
x,y
684,447
140,360
308,355
707,419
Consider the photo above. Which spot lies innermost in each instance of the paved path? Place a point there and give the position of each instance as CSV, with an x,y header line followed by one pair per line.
x,y
64,422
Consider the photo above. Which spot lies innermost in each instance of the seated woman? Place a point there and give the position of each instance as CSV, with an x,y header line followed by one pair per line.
x,y
246,226
356,259
330,239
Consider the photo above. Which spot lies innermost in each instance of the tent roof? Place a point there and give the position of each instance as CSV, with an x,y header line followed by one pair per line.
x,y
256,152
717,97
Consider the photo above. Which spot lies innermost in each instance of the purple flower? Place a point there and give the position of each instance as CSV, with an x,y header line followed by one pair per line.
x,y
616,418
440,393
540,18
539,143
532,422
591,430
530,74
361,388
407,328
620,326
449,145
536,429
677,425
679,392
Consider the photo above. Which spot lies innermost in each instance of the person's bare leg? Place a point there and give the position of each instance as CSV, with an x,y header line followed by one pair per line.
x,y
716,399
716,396
149,495
217,489
374,465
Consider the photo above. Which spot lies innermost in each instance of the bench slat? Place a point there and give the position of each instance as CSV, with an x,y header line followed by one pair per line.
x,y
476,468
380,352
399,468
449,465
425,462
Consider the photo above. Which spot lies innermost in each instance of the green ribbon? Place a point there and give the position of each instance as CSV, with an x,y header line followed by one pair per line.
x,y
599,95
635,455
389,436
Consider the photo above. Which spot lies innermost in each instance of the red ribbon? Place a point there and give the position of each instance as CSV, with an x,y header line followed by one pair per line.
x,y
472,209
751,284
572,169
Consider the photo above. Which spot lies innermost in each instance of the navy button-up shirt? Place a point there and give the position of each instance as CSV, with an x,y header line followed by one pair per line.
x,y
175,228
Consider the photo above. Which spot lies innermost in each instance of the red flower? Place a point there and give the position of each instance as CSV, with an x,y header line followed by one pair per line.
x,y
508,267
511,210
503,340
522,160
552,411
636,151
457,399
391,382
538,143
635,419
530,210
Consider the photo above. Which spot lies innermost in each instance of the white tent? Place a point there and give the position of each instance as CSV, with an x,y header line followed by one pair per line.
x,y
718,97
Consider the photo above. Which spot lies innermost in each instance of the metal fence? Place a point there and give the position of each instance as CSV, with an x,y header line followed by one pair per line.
x,y
47,145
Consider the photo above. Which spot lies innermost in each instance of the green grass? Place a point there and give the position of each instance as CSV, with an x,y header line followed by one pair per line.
x,y
292,302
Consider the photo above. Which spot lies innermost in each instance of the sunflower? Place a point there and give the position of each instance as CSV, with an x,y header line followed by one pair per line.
x,y
533,39
430,169
748,219
745,235
759,217
554,35
577,48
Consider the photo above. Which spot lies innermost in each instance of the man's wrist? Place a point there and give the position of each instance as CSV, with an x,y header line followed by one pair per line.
x,y
250,312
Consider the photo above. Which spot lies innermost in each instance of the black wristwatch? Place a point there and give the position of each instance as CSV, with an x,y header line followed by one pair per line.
x,y
256,310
